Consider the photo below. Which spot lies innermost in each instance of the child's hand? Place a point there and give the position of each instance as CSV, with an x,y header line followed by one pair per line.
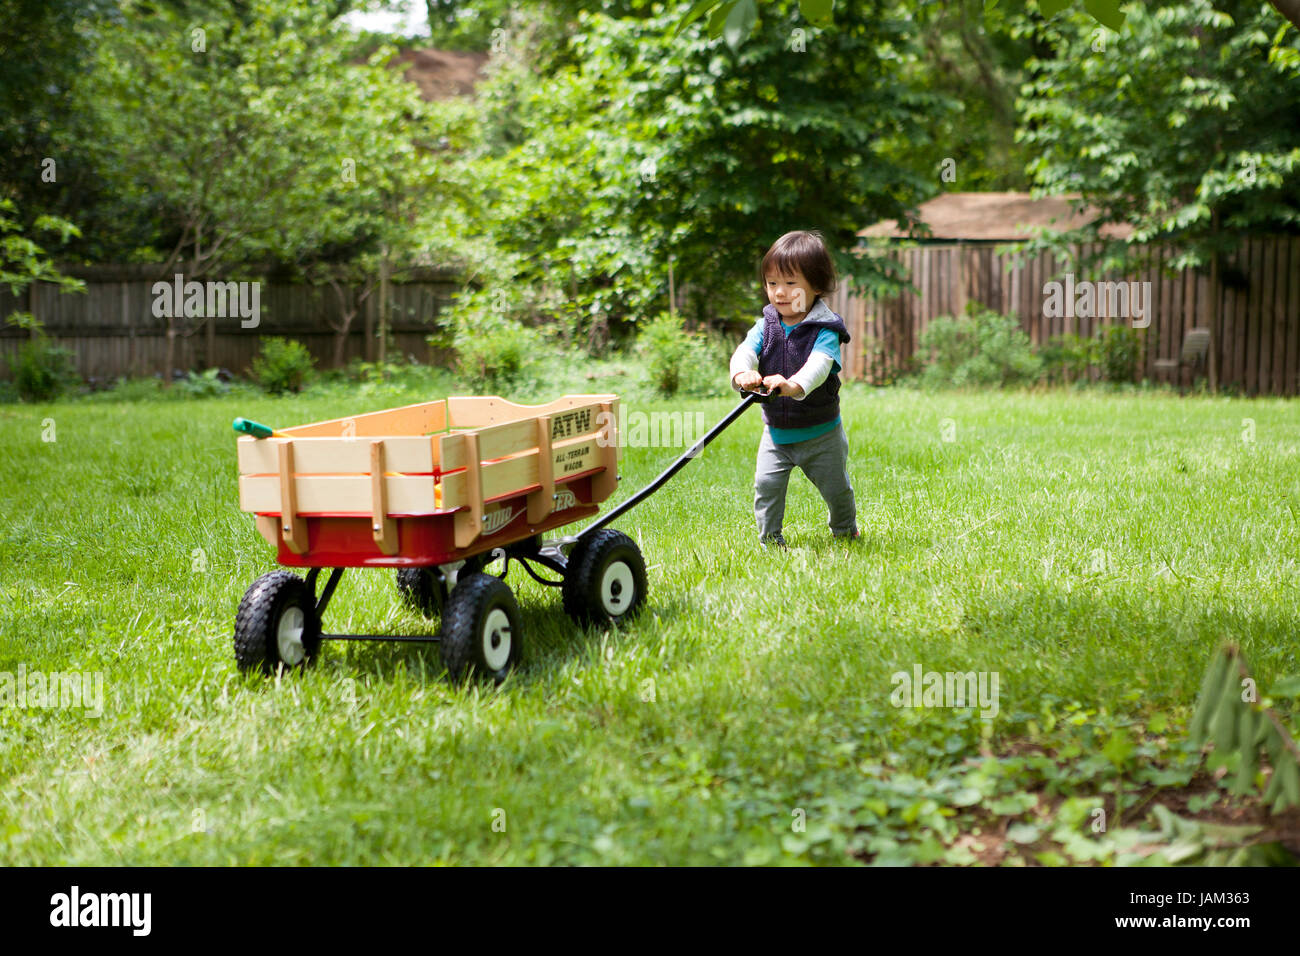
x,y
780,385
748,381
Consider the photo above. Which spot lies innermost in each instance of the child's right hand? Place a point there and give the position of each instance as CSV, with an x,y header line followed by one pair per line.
x,y
748,381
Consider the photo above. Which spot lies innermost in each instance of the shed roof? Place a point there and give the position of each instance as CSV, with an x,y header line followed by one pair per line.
x,y
994,216
442,74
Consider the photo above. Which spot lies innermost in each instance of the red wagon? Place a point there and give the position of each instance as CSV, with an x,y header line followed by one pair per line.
x,y
438,491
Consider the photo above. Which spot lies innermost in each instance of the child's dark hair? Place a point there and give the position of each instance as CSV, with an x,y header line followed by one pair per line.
x,y
803,252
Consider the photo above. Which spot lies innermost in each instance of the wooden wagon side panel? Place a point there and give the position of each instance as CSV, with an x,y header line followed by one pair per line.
x,y
338,494
418,419
341,468
482,411
415,455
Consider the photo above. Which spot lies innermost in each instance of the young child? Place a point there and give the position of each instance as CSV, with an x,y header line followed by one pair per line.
x,y
794,350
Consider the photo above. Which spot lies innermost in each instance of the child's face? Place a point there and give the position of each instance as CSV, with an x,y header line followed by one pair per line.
x,y
791,294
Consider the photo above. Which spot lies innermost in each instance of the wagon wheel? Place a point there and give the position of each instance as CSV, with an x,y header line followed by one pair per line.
x,y
605,582
422,589
480,628
425,589
276,624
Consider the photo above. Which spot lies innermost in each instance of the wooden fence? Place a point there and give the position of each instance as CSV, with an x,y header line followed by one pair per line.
x,y
113,332
112,329
1254,346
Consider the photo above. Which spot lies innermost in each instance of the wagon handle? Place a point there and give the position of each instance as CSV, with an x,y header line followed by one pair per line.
x,y
676,466
246,426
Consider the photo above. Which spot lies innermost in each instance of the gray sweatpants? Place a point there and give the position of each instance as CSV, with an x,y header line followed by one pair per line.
x,y
824,460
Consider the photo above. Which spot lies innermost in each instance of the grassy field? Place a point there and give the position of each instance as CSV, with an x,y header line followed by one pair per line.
x,y
1090,549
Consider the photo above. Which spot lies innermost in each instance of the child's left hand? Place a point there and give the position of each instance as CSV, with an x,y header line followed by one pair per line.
x,y
781,385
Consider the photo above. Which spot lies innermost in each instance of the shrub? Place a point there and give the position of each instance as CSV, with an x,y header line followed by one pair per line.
x,y
681,362
1068,357
492,350
42,370
204,384
135,390
1117,353
666,347
282,366
982,349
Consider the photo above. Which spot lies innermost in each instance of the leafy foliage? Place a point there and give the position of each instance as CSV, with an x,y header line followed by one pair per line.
x,y
282,365
638,150
1118,350
205,384
492,350
981,349
23,261
41,369
1179,128
1230,717
678,361
734,19
1067,358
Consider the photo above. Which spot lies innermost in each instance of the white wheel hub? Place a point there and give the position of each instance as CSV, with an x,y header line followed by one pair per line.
x,y
617,588
496,639
288,636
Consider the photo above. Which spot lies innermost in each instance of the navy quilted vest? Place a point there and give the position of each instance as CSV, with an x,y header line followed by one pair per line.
x,y
785,354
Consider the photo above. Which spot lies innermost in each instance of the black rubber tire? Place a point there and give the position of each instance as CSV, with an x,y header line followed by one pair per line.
x,y
469,641
257,622
422,589
589,567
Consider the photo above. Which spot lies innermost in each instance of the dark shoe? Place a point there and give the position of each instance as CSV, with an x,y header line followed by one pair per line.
x,y
855,536
774,541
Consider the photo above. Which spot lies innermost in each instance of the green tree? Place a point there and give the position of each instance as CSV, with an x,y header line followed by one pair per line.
x,y
41,369
644,150
1183,127
973,62
254,137
48,156
23,261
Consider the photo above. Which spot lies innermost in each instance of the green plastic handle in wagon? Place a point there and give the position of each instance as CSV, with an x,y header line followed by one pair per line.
x,y
246,426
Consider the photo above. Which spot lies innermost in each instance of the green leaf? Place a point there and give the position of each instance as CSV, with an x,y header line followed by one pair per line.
x,y
695,12
1211,694
1050,8
1224,724
819,12
1287,687
718,19
1106,12
793,845
1024,832
1290,773
1118,748
1245,781
1012,804
740,21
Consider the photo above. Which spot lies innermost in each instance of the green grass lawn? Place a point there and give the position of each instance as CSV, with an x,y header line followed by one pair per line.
x,y
1091,549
